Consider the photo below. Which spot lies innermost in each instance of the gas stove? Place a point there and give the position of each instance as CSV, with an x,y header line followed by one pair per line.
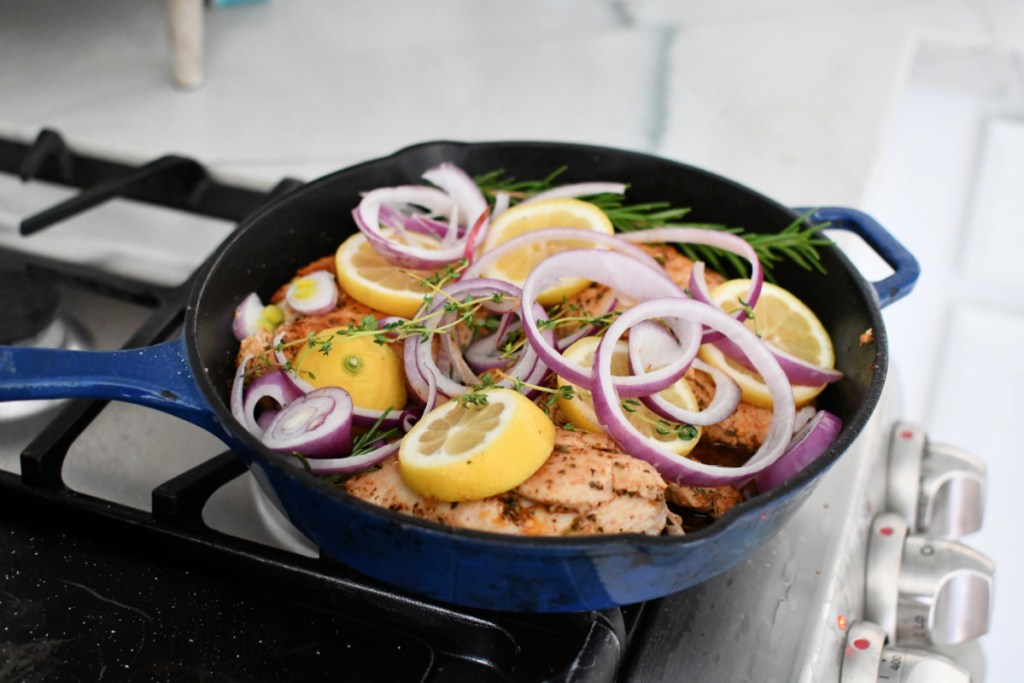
x,y
136,548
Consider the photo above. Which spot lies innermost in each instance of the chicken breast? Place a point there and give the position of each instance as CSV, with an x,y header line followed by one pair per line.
x,y
587,486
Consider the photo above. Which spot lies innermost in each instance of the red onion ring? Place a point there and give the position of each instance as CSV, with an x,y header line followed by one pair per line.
x,y
354,463
673,467
316,425
419,357
237,400
574,190
419,257
282,362
652,345
465,193
713,238
626,276
797,370
273,384
247,317
807,445
598,239
322,300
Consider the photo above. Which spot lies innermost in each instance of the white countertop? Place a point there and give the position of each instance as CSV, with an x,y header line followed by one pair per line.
x,y
912,111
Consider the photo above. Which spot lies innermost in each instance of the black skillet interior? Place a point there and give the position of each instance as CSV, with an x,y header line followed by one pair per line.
x,y
312,221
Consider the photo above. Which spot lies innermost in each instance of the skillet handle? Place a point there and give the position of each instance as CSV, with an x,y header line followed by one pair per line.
x,y
905,267
156,376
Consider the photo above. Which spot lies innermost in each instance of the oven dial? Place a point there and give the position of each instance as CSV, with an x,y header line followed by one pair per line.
x,y
868,659
924,591
939,490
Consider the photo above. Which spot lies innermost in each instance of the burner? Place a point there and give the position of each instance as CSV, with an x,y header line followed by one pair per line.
x,y
33,316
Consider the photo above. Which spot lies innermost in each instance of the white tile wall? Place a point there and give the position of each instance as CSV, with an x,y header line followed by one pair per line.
x,y
890,106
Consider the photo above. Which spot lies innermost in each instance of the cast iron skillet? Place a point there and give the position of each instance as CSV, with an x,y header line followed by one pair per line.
x,y
190,377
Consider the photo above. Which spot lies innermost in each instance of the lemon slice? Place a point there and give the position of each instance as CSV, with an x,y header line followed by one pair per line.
x,y
373,374
459,453
783,321
579,410
548,213
371,280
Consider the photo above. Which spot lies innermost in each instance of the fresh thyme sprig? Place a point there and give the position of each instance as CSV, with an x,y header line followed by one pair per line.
x,y
798,242
683,432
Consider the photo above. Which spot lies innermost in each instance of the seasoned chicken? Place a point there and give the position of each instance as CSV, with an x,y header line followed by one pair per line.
x,y
587,486
678,267
714,500
745,429
347,312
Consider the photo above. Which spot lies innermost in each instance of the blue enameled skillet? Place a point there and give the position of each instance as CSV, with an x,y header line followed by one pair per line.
x,y
190,377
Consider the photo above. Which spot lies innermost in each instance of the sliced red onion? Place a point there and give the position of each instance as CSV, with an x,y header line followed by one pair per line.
x,y
247,317
465,193
674,467
627,277
476,235
485,353
368,417
419,357
797,370
238,401
651,345
266,417
411,254
273,384
574,190
302,385
807,445
423,225
598,239
313,294
713,238
317,425
502,200
354,463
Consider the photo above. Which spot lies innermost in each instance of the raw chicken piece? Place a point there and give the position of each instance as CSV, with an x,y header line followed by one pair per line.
x,y
587,486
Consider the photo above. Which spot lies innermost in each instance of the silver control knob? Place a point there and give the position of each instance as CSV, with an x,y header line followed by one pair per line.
x,y
922,591
868,659
939,490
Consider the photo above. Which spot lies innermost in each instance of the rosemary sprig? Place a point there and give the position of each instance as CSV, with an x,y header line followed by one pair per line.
x,y
798,242
368,440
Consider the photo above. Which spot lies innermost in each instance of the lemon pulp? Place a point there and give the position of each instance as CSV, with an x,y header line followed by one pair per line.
x,y
783,321
371,280
579,410
549,213
457,453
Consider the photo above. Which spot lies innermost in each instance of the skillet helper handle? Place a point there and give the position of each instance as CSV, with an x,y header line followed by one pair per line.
x,y
905,267
156,376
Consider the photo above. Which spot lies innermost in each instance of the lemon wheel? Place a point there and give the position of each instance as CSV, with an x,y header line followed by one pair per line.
x,y
371,280
783,321
547,213
457,453
579,410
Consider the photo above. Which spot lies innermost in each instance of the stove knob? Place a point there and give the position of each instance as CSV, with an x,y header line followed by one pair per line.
x,y
938,489
923,591
868,659
952,499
